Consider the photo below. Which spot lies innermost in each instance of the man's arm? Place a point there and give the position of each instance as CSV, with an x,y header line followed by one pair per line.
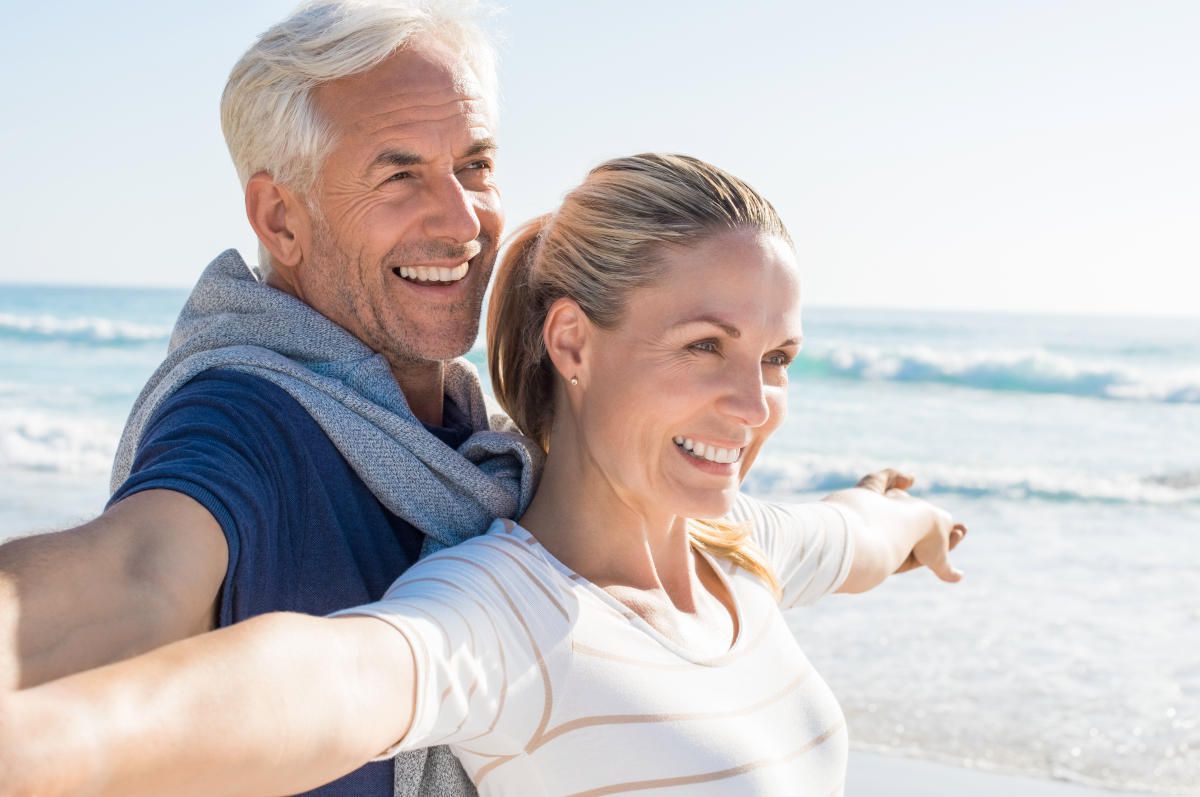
x,y
146,572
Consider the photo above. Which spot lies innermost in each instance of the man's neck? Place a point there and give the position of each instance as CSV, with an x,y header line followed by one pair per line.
x,y
422,383
424,387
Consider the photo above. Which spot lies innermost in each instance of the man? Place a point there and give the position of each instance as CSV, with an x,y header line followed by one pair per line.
x,y
374,201
308,436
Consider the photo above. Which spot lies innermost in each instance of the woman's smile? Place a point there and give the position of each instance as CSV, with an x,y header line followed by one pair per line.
x,y
697,364
709,458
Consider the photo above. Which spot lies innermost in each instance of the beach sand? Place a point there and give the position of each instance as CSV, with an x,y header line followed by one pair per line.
x,y
874,775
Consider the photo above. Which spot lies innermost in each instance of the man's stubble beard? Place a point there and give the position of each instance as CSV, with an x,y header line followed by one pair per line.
x,y
393,340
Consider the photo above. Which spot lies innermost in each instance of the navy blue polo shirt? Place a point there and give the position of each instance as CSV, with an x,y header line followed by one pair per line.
x,y
304,532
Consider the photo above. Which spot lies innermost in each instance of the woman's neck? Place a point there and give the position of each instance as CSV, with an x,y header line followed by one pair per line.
x,y
642,558
608,538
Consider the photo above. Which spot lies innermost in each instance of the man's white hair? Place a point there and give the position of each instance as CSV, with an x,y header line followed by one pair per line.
x,y
267,113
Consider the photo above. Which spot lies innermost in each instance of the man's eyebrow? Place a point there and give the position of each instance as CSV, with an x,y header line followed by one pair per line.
x,y
398,158
730,329
484,146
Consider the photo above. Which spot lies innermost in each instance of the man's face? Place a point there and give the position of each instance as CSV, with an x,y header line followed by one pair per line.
x,y
406,214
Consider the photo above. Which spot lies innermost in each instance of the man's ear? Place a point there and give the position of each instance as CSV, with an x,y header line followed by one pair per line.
x,y
567,334
279,217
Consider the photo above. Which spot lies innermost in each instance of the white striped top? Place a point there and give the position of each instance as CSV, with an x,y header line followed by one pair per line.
x,y
544,684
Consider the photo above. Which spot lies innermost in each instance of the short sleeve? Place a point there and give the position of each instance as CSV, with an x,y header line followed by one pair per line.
x,y
480,641
210,441
808,546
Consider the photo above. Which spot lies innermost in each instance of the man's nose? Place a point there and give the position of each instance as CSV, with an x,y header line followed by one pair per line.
x,y
452,213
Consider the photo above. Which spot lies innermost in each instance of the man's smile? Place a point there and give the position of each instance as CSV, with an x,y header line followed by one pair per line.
x,y
439,275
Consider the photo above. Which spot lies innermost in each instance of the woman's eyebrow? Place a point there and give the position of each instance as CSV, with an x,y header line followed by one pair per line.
x,y
725,326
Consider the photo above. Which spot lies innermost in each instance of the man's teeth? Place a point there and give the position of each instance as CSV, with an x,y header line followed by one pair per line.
x,y
430,274
711,453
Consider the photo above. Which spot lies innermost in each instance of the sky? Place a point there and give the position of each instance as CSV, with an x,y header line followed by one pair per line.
x,y
1008,155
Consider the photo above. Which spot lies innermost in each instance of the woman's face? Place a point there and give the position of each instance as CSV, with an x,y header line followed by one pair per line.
x,y
681,396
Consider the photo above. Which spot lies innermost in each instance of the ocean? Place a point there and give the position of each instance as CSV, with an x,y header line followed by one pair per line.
x,y
1070,446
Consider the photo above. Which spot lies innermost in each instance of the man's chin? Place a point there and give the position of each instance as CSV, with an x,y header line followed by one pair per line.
x,y
433,348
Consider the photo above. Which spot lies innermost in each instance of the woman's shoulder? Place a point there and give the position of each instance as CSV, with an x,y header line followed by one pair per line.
x,y
809,546
502,564
767,520
504,544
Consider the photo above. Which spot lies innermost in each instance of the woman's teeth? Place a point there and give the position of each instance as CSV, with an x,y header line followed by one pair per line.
x,y
711,453
430,274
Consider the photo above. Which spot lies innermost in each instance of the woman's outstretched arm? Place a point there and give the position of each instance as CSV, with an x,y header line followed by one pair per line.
x,y
895,532
278,704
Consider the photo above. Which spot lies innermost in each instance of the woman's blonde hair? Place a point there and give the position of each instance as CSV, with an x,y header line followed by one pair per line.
x,y
605,241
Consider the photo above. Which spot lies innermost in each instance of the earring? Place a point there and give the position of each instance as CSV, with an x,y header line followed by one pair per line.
x,y
574,380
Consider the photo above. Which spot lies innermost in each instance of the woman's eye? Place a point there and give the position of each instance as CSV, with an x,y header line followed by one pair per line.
x,y
778,359
706,345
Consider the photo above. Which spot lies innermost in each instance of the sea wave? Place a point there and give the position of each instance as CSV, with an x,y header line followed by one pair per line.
x,y
781,476
81,330
1026,371
54,443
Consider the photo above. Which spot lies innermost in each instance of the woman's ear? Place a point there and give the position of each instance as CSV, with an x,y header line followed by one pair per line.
x,y
567,334
279,218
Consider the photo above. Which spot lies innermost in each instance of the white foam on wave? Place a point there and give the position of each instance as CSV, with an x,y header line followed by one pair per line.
x,y
55,443
1023,370
86,330
799,474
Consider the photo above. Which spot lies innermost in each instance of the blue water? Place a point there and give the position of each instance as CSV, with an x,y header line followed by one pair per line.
x,y
1069,445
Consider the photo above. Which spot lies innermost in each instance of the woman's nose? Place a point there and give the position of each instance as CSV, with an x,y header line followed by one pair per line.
x,y
747,398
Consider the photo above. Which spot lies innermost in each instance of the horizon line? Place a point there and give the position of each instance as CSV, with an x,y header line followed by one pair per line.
x,y
939,309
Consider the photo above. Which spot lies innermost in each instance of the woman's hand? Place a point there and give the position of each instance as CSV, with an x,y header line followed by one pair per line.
x,y
929,551
896,532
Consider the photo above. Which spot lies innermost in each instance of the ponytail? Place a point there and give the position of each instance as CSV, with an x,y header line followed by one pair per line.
x,y
522,379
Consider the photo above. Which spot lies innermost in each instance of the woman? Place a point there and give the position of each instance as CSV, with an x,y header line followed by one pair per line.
x,y
612,639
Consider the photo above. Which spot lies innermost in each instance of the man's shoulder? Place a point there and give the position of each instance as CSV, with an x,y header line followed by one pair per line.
x,y
227,416
221,382
239,398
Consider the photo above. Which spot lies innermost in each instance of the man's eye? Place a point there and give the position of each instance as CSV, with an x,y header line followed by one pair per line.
x,y
399,176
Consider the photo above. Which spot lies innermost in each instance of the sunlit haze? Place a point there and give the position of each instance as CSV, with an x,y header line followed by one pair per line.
x,y
1024,155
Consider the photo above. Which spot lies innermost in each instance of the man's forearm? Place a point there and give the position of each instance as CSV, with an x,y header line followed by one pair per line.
x,y
144,574
42,635
10,671
51,618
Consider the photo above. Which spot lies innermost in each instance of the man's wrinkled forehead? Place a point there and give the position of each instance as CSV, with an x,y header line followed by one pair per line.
x,y
425,82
